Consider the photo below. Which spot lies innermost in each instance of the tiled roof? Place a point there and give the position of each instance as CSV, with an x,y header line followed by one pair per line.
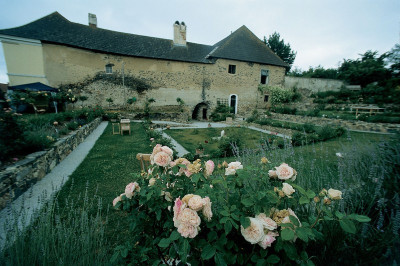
x,y
242,45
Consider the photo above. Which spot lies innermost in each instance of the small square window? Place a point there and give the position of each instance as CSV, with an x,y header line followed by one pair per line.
x,y
232,69
264,76
266,98
109,68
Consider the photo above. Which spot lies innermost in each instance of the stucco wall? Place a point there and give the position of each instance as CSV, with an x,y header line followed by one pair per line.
x,y
24,62
313,84
192,82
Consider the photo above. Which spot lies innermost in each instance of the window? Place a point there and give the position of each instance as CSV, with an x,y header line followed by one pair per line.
x,y
221,101
264,76
109,68
266,98
232,69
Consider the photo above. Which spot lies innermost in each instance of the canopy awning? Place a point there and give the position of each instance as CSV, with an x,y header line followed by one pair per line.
x,y
37,86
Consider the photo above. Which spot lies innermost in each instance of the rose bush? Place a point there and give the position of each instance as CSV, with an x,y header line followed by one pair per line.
x,y
189,212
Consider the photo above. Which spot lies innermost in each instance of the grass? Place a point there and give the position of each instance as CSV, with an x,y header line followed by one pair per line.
x,y
111,164
190,138
106,171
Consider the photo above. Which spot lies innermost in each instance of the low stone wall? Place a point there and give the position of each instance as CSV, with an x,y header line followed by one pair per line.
x,y
17,178
351,125
313,84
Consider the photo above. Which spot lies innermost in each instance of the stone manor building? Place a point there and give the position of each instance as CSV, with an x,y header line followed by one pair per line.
x,y
55,51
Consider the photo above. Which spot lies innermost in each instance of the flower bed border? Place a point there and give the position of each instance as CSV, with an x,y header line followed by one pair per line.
x,y
19,177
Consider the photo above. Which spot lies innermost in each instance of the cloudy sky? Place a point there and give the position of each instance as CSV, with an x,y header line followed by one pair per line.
x,y
323,32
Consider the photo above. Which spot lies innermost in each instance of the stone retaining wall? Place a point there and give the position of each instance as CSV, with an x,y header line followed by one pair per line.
x,y
17,178
351,125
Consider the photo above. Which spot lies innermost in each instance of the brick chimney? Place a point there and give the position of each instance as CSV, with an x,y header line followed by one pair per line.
x,y
179,33
92,21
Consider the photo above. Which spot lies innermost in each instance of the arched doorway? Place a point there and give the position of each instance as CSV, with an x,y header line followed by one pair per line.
x,y
233,103
200,112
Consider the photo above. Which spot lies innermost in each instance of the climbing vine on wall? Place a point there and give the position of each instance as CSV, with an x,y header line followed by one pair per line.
x,y
129,81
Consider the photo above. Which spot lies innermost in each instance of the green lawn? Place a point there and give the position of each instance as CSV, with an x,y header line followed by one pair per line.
x,y
190,138
105,172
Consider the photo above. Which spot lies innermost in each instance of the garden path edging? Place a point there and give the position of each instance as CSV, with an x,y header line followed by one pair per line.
x,y
19,177
22,210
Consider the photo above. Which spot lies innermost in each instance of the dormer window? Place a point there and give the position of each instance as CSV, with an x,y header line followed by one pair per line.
x,y
264,76
232,69
109,69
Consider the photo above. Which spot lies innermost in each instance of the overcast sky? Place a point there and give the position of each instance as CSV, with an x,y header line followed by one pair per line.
x,y
323,32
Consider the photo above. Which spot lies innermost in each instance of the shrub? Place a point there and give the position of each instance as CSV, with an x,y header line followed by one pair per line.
x,y
11,133
72,125
285,110
37,140
228,216
221,112
278,95
226,144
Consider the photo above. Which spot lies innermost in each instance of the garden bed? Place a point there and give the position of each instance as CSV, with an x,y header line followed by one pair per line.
x,y
18,177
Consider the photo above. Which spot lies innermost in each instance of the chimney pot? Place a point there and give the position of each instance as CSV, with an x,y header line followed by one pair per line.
x,y
179,33
92,20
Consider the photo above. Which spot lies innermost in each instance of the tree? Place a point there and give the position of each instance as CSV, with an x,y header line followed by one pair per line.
x,y
278,46
394,60
370,68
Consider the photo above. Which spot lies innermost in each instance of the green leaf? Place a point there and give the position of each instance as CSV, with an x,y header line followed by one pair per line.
x,y
224,213
114,257
208,252
310,194
184,250
219,259
245,222
302,233
228,227
300,189
223,220
182,166
260,262
165,242
124,252
247,202
294,220
158,214
216,181
304,200
287,234
290,251
233,207
359,218
212,236
287,225
195,178
348,226
235,216
174,236
273,259
339,214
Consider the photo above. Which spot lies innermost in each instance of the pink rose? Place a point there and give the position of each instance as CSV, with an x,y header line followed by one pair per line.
x,y
151,139
167,150
268,239
272,174
207,212
187,230
178,207
209,167
162,159
157,149
285,172
116,200
267,222
130,189
196,203
254,233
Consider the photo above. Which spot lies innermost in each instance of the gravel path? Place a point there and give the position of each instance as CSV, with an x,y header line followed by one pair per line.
x,y
21,210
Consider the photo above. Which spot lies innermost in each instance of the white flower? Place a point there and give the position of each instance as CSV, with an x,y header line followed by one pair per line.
x,y
288,189
254,233
152,181
196,203
334,194
235,165
207,212
230,171
285,172
267,222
